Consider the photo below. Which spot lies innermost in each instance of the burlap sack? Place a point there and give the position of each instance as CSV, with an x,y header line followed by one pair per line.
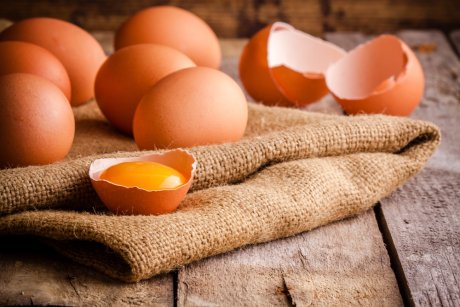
x,y
292,172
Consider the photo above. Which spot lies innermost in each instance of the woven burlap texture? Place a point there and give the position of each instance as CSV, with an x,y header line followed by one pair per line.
x,y
293,171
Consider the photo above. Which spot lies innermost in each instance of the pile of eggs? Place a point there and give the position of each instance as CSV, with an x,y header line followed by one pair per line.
x,y
161,85
43,73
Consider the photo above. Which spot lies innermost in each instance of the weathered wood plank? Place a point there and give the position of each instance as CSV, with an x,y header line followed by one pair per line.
x,y
388,15
32,274
423,216
423,220
233,18
227,18
343,263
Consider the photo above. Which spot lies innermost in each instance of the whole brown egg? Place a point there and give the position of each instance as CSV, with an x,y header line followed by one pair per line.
x,y
21,57
37,125
128,74
77,50
193,106
174,27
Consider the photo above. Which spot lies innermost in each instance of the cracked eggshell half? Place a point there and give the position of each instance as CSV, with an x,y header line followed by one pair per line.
x,y
284,66
137,201
381,76
254,72
297,63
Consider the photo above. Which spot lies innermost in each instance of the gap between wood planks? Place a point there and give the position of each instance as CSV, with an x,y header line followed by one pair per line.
x,y
420,218
415,215
393,254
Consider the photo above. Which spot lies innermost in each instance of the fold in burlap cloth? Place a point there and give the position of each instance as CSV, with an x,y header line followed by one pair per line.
x,y
292,172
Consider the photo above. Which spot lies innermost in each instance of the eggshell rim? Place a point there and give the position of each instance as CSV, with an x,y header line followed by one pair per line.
x,y
296,51
99,165
395,79
275,59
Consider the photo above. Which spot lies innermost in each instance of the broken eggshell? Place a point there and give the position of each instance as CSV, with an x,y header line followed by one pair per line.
x,y
284,66
381,76
297,63
137,201
254,72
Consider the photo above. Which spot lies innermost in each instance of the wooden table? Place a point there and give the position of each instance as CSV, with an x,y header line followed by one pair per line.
x,y
409,244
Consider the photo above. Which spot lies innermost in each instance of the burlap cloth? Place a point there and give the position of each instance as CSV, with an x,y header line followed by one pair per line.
x,y
292,172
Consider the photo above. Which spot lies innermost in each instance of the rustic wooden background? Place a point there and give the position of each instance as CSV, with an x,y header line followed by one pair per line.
x,y
238,18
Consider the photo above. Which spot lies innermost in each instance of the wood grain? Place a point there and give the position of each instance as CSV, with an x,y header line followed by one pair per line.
x,y
33,274
228,18
388,15
423,216
344,263
233,18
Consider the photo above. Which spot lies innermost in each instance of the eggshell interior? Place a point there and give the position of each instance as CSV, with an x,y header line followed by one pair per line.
x,y
133,200
381,76
370,68
297,63
300,51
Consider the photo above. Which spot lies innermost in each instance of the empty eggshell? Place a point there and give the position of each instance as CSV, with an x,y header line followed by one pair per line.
x,y
297,63
134,200
21,57
380,76
284,66
77,50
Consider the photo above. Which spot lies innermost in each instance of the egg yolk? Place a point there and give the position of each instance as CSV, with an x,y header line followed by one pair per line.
x,y
145,175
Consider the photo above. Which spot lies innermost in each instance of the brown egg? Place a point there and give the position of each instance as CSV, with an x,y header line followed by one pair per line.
x,y
77,50
193,106
128,74
36,122
173,27
21,57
